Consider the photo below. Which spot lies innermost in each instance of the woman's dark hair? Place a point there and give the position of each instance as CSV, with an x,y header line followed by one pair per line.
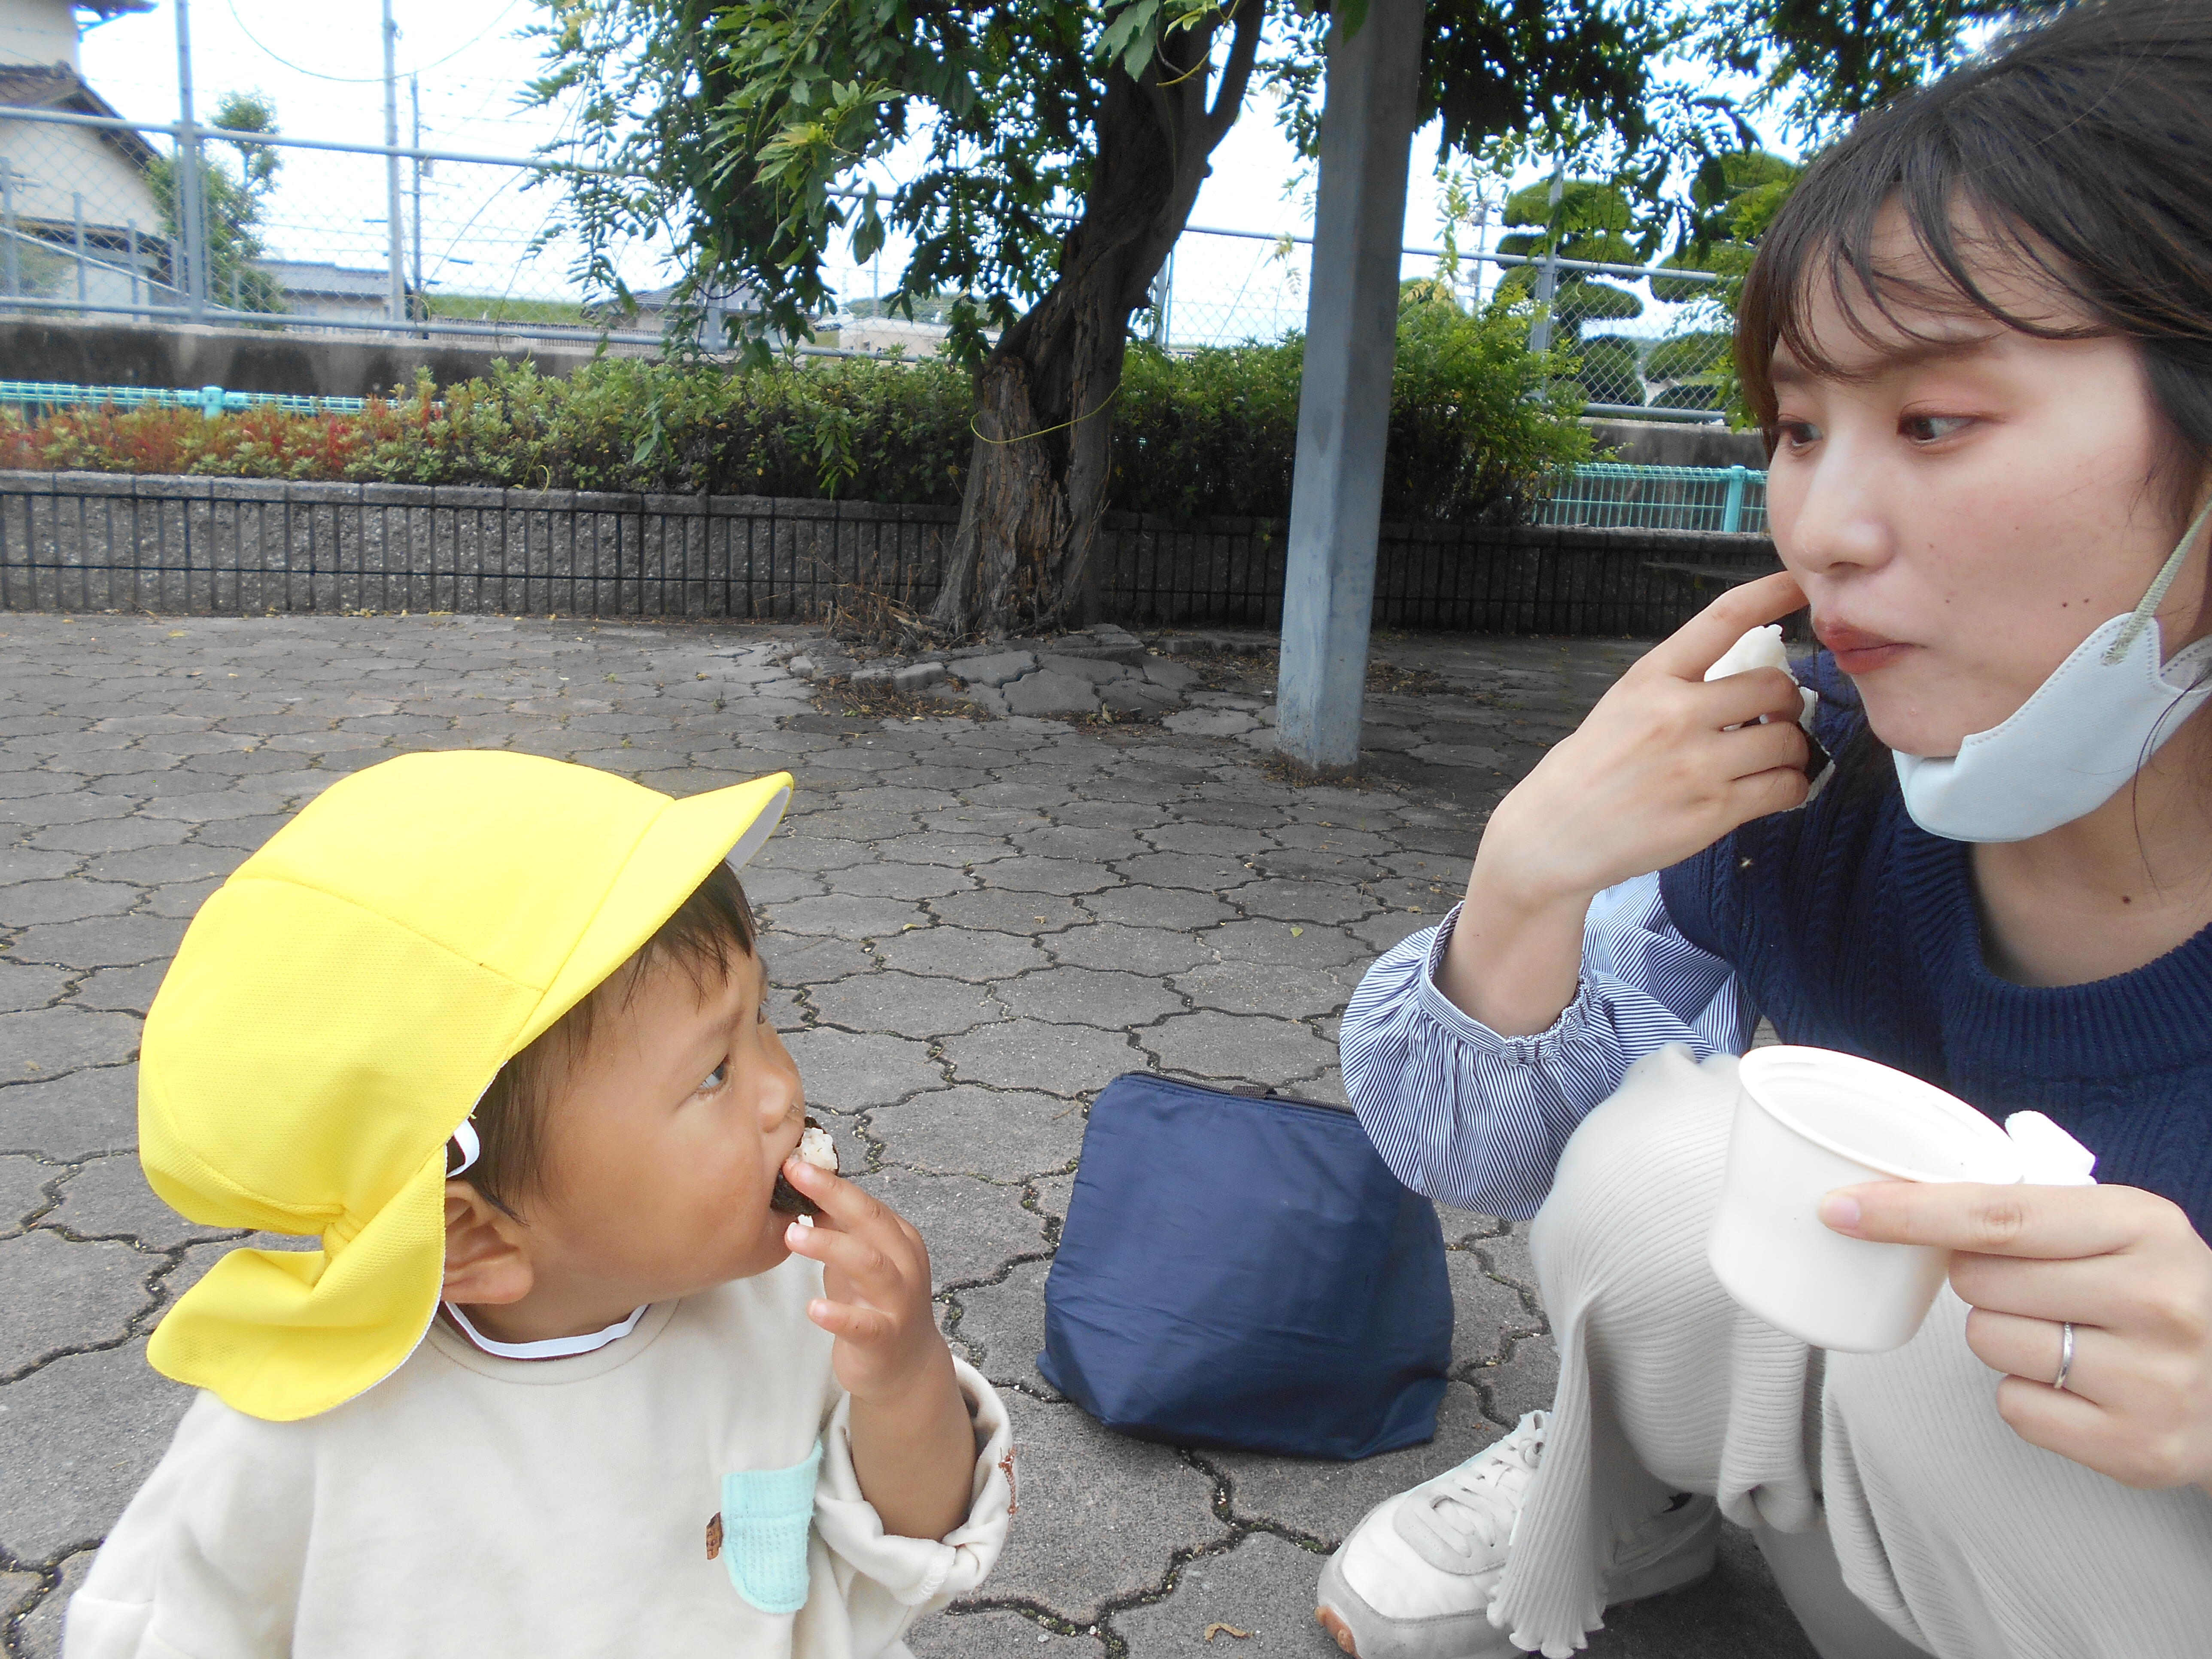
x,y
710,927
2078,151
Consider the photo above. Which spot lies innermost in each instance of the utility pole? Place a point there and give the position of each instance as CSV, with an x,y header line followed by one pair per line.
x,y
415,98
1344,400
396,274
192,224
1547,274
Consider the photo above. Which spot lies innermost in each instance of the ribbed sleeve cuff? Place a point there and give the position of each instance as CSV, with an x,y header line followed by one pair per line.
x,y
1572,1024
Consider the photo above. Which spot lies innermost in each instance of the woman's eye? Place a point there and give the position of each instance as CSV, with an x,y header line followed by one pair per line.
x,y
1798,433
715,1079
1931,428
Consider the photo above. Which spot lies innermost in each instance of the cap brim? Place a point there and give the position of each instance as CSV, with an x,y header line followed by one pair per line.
x,y
677,851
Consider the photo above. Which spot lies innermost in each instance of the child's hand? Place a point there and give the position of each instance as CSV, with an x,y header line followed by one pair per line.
x,y
913,1448
876,1282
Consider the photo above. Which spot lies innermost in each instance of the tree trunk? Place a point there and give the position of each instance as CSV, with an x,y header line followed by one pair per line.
x,y
1037,477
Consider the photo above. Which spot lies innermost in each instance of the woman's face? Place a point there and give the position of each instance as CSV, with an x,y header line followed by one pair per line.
x,y
1963,517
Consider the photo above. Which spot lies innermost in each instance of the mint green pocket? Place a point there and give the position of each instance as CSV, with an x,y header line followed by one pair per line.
x,y
767,1516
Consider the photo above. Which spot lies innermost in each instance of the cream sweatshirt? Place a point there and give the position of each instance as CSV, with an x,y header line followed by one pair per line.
x,y
476,1507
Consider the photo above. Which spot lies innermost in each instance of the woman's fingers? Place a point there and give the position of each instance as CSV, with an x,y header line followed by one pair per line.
x,y
2022,1346
1739,699
1755,749
2047,1223
1703,640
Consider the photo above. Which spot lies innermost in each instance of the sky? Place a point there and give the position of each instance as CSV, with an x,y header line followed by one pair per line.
x,y
322,65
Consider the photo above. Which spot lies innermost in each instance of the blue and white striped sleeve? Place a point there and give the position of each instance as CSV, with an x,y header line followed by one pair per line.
x,y
1477,1120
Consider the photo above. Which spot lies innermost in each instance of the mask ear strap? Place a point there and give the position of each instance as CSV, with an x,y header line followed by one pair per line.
x,y
463,1151
2139,618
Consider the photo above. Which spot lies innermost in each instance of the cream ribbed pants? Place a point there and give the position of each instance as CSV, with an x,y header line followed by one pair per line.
x,y
1961,1537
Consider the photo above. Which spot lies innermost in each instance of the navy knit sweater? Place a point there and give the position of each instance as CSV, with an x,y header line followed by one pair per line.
x,y
1850,927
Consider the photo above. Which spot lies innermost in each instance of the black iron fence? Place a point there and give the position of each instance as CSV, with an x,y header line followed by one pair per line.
x,y
88,542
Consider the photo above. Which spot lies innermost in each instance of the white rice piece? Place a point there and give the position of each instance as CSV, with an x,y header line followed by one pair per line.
x,y
1762,647
816,1148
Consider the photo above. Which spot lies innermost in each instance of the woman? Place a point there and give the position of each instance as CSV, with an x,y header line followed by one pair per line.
x,y
1979,340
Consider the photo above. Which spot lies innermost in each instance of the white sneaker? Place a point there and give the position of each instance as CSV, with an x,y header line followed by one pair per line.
x,y
1414,1579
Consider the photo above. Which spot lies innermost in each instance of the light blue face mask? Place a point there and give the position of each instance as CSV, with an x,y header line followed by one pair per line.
x,y
2077,741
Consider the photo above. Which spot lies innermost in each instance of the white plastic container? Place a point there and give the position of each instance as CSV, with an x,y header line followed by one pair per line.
x,y
1808,1121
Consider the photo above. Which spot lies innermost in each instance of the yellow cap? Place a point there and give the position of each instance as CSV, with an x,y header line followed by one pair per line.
x,y
339,1006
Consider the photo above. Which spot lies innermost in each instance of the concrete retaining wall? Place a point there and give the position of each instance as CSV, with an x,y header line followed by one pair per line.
x,y
246,360
89,541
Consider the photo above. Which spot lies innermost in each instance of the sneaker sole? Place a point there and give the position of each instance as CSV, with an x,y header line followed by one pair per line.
x,y
1692,1558
1340,1611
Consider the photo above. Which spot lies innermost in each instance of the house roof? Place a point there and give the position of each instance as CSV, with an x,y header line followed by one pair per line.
x,y
58,87
321,278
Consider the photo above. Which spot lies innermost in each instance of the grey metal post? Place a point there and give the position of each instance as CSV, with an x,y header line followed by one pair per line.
x,y
8,222
1732,512
77,219
415,98
1163,300
191,225
1547,274
1344,403
131,232
396,268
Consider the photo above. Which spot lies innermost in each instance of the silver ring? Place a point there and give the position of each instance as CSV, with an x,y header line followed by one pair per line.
x,y
2065,1356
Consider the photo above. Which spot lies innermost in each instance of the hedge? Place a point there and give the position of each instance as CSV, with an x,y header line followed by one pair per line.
x,y
1473,429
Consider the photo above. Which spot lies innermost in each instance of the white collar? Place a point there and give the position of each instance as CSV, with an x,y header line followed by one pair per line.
x,y
551,1347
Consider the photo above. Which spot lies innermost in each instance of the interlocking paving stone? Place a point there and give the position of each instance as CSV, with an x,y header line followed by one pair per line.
x,y
1155,907
22,1188
898,881
966,953
1087,996
77,1437
998,1634
1292,944
1324,1500
847,915
1005,1134
1150,951
103,942
1001,1327
973,1227
1254,1586
850,1071
1252,987
24,988
88,1112
55,1295
39,1635
43,1042
1100,1515
1029,1054
904,1003
1249,1047
1017,912
108,1198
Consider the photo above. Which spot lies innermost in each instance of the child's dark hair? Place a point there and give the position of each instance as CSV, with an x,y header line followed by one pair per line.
x,y
2078,152
709,928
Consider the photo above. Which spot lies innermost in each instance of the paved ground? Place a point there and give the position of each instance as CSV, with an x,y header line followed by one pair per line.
x,y
975,925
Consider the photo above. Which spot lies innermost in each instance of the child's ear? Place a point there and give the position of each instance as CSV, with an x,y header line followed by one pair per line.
x,y
487,1257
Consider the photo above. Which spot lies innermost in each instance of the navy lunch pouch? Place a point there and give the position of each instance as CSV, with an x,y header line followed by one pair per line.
x,y
1243,1270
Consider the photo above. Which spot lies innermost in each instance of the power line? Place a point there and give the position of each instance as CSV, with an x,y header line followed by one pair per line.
x,y
363,80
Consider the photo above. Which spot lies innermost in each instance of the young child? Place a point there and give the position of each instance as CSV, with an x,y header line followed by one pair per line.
x,y
560,1381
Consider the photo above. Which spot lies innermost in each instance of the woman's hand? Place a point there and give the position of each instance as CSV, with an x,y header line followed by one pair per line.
x,y
1666,764
2124,1265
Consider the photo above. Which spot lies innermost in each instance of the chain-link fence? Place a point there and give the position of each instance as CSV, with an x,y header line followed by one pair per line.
x,y
174,221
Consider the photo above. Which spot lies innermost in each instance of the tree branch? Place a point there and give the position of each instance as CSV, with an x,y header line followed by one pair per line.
x,y
1236,73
